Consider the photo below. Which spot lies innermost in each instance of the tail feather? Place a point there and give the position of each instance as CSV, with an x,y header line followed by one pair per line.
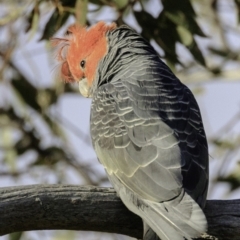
x,y
149,234
162,228
178,219
189,212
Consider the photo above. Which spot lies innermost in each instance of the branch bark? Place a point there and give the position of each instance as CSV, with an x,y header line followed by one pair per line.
x,y
38,207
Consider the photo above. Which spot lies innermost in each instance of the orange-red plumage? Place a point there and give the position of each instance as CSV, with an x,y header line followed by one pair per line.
x,y
81,44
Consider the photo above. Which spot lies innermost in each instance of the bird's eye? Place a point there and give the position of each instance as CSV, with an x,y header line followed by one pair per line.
x,y
82,63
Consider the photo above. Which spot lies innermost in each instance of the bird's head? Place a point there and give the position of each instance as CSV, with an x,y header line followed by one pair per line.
x,y
80,52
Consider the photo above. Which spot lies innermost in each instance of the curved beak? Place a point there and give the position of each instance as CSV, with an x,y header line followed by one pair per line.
x,y
84,88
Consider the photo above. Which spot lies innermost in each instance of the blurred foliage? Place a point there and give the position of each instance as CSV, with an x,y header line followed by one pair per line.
x,y
191,36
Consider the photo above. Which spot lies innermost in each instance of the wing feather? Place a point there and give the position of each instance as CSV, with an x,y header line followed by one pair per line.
x,y
147,131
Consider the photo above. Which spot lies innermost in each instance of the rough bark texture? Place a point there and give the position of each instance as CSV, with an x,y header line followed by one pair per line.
x,y
38,207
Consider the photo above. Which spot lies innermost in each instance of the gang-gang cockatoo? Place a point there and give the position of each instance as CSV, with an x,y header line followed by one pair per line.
x,y
146,127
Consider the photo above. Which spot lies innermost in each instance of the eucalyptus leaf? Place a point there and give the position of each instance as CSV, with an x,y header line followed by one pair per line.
x,y
16,236
54,23
27,91
185,36
237,3
196,52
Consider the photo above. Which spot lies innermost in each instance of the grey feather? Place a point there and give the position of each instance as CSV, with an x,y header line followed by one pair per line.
x,y
147,131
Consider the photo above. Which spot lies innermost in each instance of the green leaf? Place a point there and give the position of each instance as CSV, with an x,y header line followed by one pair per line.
x,y
33,19
46,97
167,37
50,156
182,5
10,155
57,19
97,2
175,23
237,3
15,236
27,92
81,9
193,27
224,144
120,4
196,52
54,23
146,21
216,70
162,31
185,36
176,17
219,52
183,18
233,178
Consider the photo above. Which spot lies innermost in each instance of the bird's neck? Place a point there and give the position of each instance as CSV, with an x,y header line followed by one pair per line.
x,y
125,48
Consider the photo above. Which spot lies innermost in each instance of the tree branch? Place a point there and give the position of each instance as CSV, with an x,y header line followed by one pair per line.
x,y
38,207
